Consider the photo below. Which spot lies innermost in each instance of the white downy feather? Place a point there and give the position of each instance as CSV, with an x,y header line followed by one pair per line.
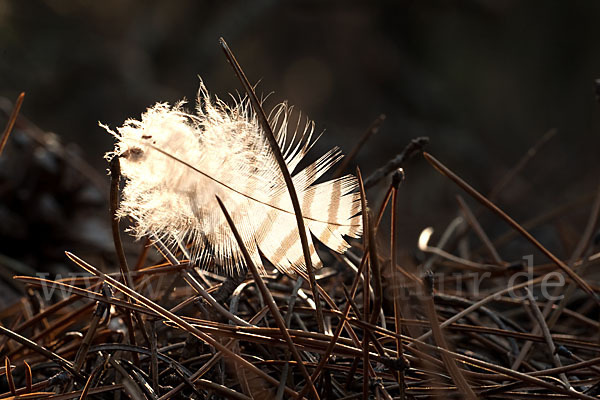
x,y
175,163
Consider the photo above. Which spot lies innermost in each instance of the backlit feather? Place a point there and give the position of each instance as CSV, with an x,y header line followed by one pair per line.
x,y
175,163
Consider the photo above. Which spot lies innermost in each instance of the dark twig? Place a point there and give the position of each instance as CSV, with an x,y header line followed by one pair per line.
x,y
547,335
210,363
11,121
28,377
521,164
288,318
88,385
479,197
193,282
268,297
566,293
397,178
584,242
89,335
262,118
115,177
9,376
415,146
454,371
65,364
180,322
373,129
78,292
556,212
472,220
340,326
368,240
373,254
480,303
154,355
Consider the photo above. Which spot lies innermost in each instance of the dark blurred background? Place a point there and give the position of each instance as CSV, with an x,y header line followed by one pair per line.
x,y
483,79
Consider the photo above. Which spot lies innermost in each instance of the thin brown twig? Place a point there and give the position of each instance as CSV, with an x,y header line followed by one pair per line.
x,y
224,390
88,385
547,335
76,394
153,357
115,177
345,313
268,132
133,388
65,364
268,297
180,322
11,121
366,379
454,371
211,300
397,178
474,223
61,323
79,292
89,336
195,284
528,378
9,376
588,232
531,152
368,240
371,130
479,197
210,363
480,303
28,377
288,319
413,147
577,253
47,312
546,216
373,254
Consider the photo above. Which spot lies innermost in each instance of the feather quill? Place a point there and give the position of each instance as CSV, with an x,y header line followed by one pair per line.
x,y
175,163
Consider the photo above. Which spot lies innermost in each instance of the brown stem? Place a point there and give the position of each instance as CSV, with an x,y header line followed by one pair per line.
x,y
11,121
482,199
262,118
268,297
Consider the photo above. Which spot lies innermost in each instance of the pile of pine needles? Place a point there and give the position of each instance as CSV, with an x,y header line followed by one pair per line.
x,y
364,326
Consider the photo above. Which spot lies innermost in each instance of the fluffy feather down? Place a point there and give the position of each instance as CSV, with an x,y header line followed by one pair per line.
x,y
176,163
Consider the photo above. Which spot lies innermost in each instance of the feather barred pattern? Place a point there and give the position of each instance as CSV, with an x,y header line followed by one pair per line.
x,y
175,163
